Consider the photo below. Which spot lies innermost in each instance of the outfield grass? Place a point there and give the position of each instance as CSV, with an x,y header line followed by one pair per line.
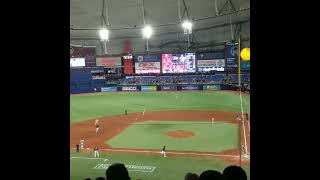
x,y
152,135
88,106
170,168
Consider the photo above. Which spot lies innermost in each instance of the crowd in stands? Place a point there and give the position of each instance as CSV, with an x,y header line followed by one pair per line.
x,y
186,79
183,79
105,76
173,78
118,171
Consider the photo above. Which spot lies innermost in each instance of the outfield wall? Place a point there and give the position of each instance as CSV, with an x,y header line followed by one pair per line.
x,y
145,88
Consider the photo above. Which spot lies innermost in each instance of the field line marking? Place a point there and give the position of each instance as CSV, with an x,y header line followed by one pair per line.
x,y
244,128
182,153
174,153
87,158
142,171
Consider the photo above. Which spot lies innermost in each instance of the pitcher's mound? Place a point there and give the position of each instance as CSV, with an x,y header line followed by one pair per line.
x,y
180,134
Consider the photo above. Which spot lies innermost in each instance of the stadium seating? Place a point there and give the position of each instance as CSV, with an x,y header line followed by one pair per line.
x,y
182,79
82,81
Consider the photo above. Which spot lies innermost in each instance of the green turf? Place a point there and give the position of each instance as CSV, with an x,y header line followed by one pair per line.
x,y
170,168
152,135
88,106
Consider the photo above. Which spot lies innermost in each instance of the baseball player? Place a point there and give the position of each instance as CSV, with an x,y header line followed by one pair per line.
x,y
97,125
163,151
212,121
243,150
96,151
81,143
238,118
143,112
77,147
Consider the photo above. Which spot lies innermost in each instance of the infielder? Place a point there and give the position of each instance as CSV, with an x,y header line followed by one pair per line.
x,y
238,118
143,112
96,124
212,121
81,144
163,151
96,151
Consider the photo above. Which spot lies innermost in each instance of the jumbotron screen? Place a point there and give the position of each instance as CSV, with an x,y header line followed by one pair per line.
x,y
178,63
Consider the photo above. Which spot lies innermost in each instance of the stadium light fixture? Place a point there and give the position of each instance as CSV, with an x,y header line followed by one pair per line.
x,y
187,26
147,32
104,34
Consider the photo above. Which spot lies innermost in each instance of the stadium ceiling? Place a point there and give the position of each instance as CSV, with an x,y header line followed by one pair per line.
x,y
214,23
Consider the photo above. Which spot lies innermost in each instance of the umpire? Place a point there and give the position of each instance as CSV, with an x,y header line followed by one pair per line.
x,y
77,147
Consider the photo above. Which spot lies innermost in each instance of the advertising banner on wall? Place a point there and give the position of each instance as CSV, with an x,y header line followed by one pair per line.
x,y
89,53
109,89
147,58
128,64
231,56
108,61
147,64
211,87
190,87
147,67
77,62
129,88
212,61
211,55
148,88
245,65
168,88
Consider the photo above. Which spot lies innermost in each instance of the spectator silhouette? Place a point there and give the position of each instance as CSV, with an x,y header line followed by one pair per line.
x,y
100,178
117,171
87,179
211,175
191,176
234,173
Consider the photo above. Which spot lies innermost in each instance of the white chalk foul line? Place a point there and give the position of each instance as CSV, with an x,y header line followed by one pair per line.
x,y
174,153
181,153
89,158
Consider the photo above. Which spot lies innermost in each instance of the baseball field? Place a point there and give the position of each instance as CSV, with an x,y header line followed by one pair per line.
x,y
182,121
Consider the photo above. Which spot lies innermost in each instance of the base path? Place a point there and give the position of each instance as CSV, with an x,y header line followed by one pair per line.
x,y
113,125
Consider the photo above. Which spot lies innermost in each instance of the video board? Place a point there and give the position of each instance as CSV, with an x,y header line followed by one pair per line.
x,y
178,63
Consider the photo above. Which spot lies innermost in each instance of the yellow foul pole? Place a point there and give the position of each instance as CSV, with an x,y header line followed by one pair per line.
x,y
239,59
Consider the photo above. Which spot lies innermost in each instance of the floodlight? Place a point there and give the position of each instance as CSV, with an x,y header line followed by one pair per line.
x,y
104,34
147,32
187,26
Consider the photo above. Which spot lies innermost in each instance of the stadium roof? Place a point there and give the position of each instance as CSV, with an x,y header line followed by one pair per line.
x,y
211,19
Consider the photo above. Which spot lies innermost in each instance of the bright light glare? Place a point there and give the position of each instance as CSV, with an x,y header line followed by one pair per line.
x,y
147,32
187,26
104,34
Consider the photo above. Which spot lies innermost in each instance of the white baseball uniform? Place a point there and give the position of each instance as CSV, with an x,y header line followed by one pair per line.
x,y
96,152
163,151
97,125
81,144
